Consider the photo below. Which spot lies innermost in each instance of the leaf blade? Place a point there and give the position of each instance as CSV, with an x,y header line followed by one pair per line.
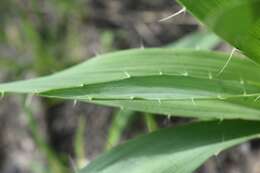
x,y
176,149
118,66
241,29
180,82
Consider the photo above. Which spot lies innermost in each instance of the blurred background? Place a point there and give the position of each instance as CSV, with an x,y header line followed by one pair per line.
x,y
39,37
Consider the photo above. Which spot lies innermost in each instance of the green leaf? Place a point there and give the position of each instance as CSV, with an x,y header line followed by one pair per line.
x,y
150,122
200,40
231,108
136,63
172,95
236,21
80,143
174,82
119,123
197,40
179,150
159,88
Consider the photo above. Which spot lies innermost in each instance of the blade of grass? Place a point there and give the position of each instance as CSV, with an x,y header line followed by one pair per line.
x,y
179,150
79,143
180,82
173,95
120,121
151,123
125,64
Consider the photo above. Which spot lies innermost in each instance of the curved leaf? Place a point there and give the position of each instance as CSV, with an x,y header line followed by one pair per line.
x,y
237,21
172,95
179,150
174,82
231,108
148,62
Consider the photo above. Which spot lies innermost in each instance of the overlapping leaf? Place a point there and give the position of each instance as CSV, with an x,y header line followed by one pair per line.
x,y
179,82
237,21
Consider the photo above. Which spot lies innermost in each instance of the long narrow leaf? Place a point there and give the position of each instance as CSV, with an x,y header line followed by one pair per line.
x,y
174,82
148,62
175,150
120,121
